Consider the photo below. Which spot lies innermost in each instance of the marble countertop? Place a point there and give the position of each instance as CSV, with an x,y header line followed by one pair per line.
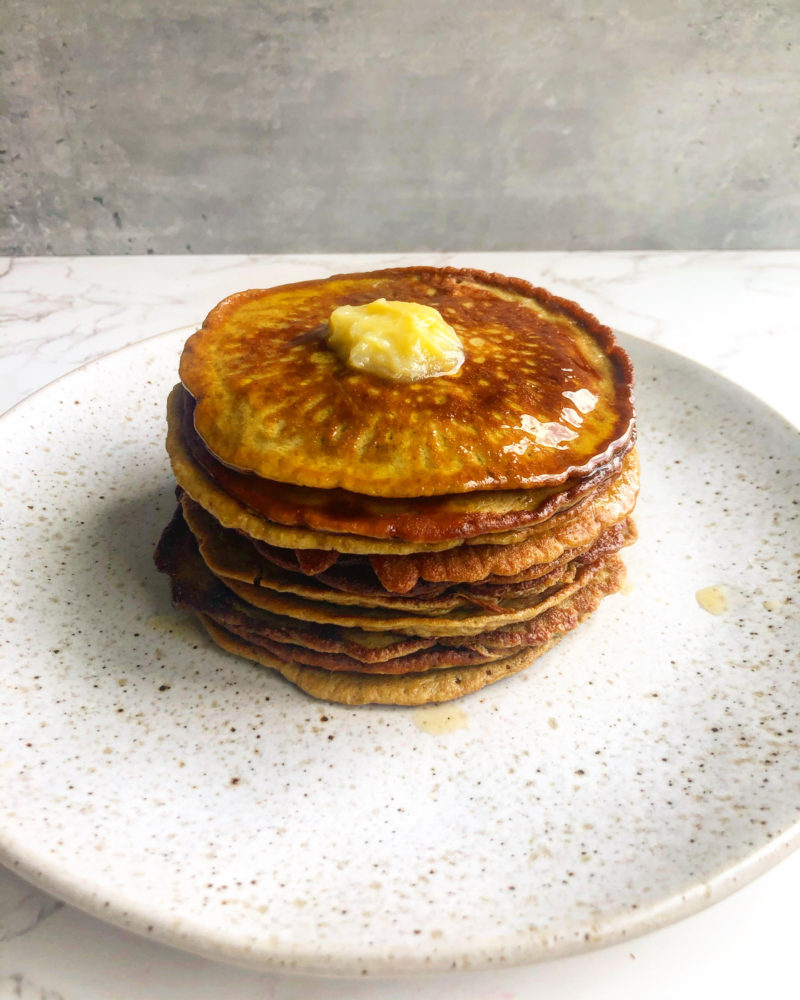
x,y
737,313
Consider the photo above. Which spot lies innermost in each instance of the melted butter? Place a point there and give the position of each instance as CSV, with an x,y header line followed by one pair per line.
x,y
714,600
440,718
401,341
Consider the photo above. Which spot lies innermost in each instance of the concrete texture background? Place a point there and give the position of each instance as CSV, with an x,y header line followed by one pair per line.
x,y
171,126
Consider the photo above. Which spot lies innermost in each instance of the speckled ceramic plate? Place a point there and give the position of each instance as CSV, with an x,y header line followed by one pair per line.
x,y
643,769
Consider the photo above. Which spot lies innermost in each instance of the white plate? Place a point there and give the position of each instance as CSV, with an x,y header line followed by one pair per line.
x,y
644,768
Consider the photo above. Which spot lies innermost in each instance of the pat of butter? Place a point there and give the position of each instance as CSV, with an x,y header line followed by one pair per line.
x,y
402,341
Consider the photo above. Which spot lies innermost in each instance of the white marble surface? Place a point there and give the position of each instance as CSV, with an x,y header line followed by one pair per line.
x,y
735,312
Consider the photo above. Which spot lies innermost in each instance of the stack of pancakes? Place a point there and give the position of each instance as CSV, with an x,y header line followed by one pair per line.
x,y
394,542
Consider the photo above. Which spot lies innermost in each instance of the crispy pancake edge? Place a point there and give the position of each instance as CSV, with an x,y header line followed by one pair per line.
x,y
414,519
492,645
407,690
232,514
230,556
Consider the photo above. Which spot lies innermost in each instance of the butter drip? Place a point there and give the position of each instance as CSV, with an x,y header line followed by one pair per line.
x,y
401,341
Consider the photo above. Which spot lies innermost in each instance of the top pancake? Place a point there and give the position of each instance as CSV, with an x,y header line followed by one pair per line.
x,y
543,396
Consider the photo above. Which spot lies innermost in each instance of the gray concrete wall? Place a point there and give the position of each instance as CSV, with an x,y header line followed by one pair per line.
x,y
319,125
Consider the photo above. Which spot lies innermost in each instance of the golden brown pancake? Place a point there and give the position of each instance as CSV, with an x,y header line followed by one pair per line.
x,y
355,574
195,587
230,555
399,543
443,683
421,519
489,648
463,620
617,497
544,394
354,667
347,688
540,545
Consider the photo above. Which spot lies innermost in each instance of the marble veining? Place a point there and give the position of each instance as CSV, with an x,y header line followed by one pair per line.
x,y
22,908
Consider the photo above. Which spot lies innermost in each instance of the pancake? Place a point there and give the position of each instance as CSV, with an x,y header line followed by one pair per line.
x,y
620,494
437,657
463,620
540,545
346,688
195,588
411,687
494,646
272,400
231,556
422,519
352,666
399,542
356,574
